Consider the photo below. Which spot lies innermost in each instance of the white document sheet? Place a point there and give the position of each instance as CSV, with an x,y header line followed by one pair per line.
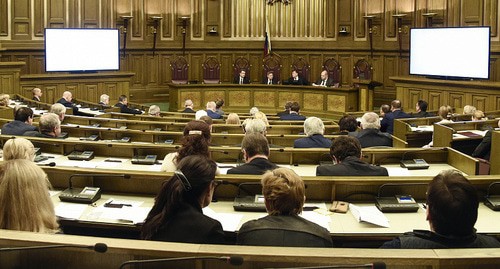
x,y
230,221
369,214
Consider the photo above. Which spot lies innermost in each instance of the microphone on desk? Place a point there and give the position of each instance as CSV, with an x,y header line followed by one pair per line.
x,y
85,195
375,265
51,164
233,260
98,247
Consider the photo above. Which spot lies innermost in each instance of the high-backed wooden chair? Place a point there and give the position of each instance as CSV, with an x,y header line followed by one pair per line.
x,y
363,70
211,71
334,70
302,67
241,63
179,67
272,62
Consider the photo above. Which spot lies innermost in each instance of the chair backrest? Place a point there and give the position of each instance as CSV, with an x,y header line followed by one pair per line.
x,y
211,71
179,68
334,70
241,63
363,70
272,62
302,67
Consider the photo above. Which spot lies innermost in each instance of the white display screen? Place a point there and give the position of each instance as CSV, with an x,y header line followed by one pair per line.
x,y
450,52
82,49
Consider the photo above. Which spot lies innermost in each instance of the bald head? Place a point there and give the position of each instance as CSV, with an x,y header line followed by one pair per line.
x,y
67,96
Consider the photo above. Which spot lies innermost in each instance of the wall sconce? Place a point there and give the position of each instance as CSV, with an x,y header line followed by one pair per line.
x,y
154,29
428,19
399,23
184,22
369,20
126,20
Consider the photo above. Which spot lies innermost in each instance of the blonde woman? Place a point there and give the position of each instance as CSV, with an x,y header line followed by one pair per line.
x,y
25,203
4,100
233,118
18,148
262,116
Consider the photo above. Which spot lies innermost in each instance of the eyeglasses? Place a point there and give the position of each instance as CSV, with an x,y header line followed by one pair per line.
x,y
185,182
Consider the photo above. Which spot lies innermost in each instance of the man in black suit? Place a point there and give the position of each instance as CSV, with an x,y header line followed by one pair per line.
x,y
295,79
37,94
50,127
123,105
324,81
241,78
188,106
23,120
370,134
483,150
294,113
270,80
387,123
346,153
256,153
66,101
288,104
421,108
314,129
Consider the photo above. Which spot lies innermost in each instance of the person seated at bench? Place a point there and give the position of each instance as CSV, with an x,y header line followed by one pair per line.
x,y
421,110
347,124
255,150
37,94
25,203
288,104
177,213
294,113
18,148
49,125
104,100
370,134
211,110
23,120
452,204
66,101
233,119
261,116
346,154
483,150
469,110
314,129
123,105
59,110
195,141
384,109
218,107
387,123
284,196
154,110
188,107
478,115
4,100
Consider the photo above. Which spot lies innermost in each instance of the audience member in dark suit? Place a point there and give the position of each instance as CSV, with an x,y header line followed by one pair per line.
x,y
218,107
37,94
284,194
324,81
188,104
211,111
270,80
66,101
370,134
348,124
294,113
123,105
255,150
421,110
104,100
295,79
384,109
314,129
346,153
288,104
177,213
241,78
387,123
483,150
23,120
49,125
452,204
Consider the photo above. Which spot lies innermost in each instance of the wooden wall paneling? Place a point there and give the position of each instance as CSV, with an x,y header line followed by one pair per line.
x,y
137,63
472,13
90,14
138,24
226,70
344,15
37,63
38,18
195,68
76,91
390,69
316,63
378,67
256,64
360,10
90,90
455,99
21,20
391,8
197,18
452,12
481,102
56,13
7,83
345,61
4,18
227,15
107,20
165,75
491,16
435,100
414,96
113,90
152,65
22,58
212,16
404,66
49,94
331,19
497,102
439,7
286,62
168,21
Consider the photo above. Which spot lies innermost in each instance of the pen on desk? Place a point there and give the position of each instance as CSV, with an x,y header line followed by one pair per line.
x,y
424,205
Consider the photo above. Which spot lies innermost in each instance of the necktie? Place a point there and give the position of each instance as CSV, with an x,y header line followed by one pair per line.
x,y
241,80
269,82
323,83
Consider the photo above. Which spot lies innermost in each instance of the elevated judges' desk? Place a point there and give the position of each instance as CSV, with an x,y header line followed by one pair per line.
x,y
484,95
314,101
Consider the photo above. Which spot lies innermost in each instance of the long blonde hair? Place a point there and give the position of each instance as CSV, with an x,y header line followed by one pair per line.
x,y
18,148
25,203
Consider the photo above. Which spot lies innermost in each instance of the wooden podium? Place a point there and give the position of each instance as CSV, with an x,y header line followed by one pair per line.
x,y
366,89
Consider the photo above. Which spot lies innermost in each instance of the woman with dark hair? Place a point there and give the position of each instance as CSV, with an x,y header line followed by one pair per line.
x,y
196,140
177,213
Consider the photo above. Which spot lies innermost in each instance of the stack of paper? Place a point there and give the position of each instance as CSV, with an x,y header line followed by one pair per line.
x,y
369,214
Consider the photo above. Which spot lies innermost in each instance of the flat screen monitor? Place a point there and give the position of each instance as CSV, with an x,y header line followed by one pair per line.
x,y
82,50
460,52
